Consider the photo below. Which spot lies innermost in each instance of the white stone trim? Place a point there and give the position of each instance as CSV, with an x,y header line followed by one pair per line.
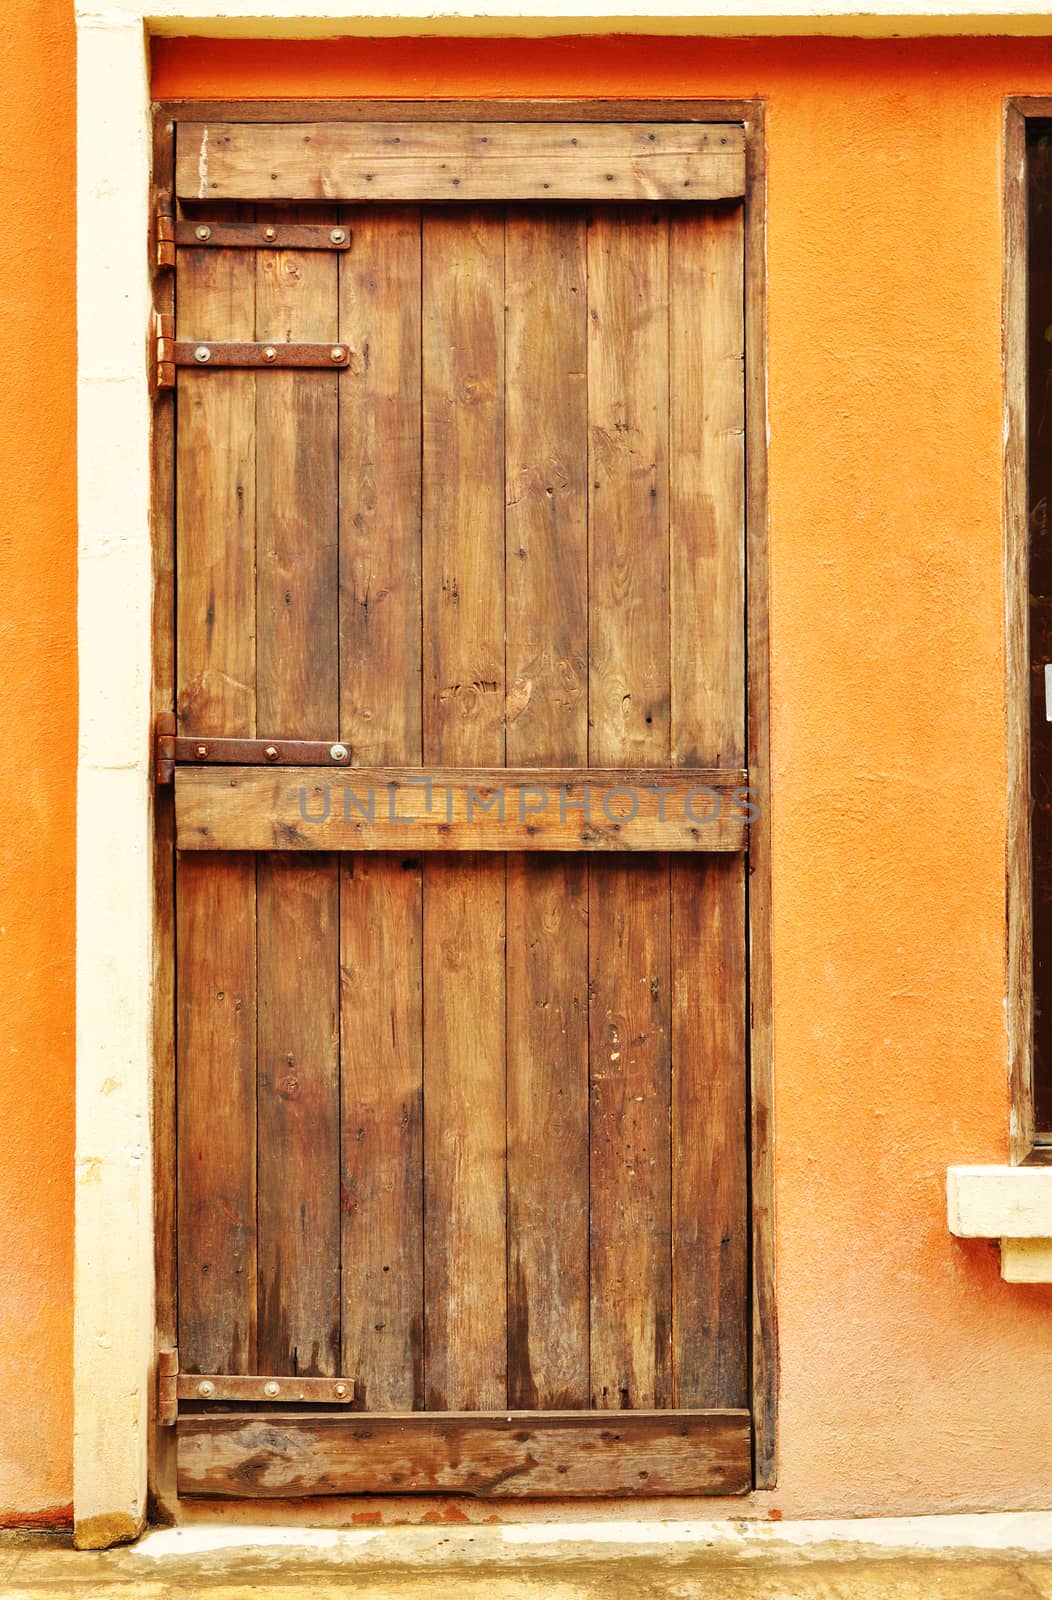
x,y
328,18
1011,1204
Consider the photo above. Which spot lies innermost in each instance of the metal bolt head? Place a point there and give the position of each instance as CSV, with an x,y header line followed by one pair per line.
x,y
270,354
337,235
202,353
337,352
271,752
201,752
270,233
203,233
206,1389
340,1390
272,1390
338,752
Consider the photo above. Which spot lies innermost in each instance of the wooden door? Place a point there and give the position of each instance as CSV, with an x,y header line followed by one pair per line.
x,y
461,816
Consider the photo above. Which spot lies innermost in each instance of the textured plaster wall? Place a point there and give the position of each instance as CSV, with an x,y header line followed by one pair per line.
x,y
912,1378
38,741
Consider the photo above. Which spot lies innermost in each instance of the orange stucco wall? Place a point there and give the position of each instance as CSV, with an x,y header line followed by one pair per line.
x,y
38,710
912,1377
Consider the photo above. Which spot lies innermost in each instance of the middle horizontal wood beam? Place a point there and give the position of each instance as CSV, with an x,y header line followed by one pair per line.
x,y
426,808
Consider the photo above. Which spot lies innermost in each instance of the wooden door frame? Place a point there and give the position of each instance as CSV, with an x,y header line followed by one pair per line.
x,y
750,115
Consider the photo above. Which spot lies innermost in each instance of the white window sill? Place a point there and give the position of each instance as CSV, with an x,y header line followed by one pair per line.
x,y
1012,1204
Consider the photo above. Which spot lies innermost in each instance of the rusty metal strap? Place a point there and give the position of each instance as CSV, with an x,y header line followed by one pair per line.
x,y
234,1386
262,235
224,353
203,750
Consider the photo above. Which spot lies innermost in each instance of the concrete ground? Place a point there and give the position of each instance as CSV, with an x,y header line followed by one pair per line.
x,y
943,1558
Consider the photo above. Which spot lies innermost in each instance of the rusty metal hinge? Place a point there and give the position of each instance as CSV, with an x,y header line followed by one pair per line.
x,y
164,747
164,233
164,350
167,1387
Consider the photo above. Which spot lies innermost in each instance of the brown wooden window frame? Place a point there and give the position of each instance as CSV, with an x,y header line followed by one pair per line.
x,y
748,115
1027,1143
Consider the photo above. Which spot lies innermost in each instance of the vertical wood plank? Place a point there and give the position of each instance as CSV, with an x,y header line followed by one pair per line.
x,y
709,1075
464,899
215,897
547,951
382,1182
216,1031
298,902
707,488
381,897
629,906
630,1148
628,477
380,685
710,1196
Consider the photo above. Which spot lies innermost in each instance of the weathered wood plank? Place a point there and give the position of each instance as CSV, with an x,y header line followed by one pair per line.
x,y
297,686
546,523
473,161
628,567
380,445
710,1165
465,1271
707,600
629,916
215,896
546,531
216,1142
441,808
505,1455
547,1044
629,1073
216,503
707,488
382,1178
463,488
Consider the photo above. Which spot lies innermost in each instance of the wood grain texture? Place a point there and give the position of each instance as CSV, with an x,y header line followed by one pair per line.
x,y
380,443
448,809
216,1034
382,1088
707,488
465,1210
481,161
629,1071
547,1045
710,1171
628,368
463,488
707,619
500,1456
464,898
297,687
546,523
216,503
546,531
215,897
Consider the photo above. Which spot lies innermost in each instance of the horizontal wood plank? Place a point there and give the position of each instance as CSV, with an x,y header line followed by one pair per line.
x,y
419,161
496,1455
427,808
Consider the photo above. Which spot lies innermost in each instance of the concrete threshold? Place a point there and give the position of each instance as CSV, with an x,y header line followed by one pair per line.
x,y
976,1557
